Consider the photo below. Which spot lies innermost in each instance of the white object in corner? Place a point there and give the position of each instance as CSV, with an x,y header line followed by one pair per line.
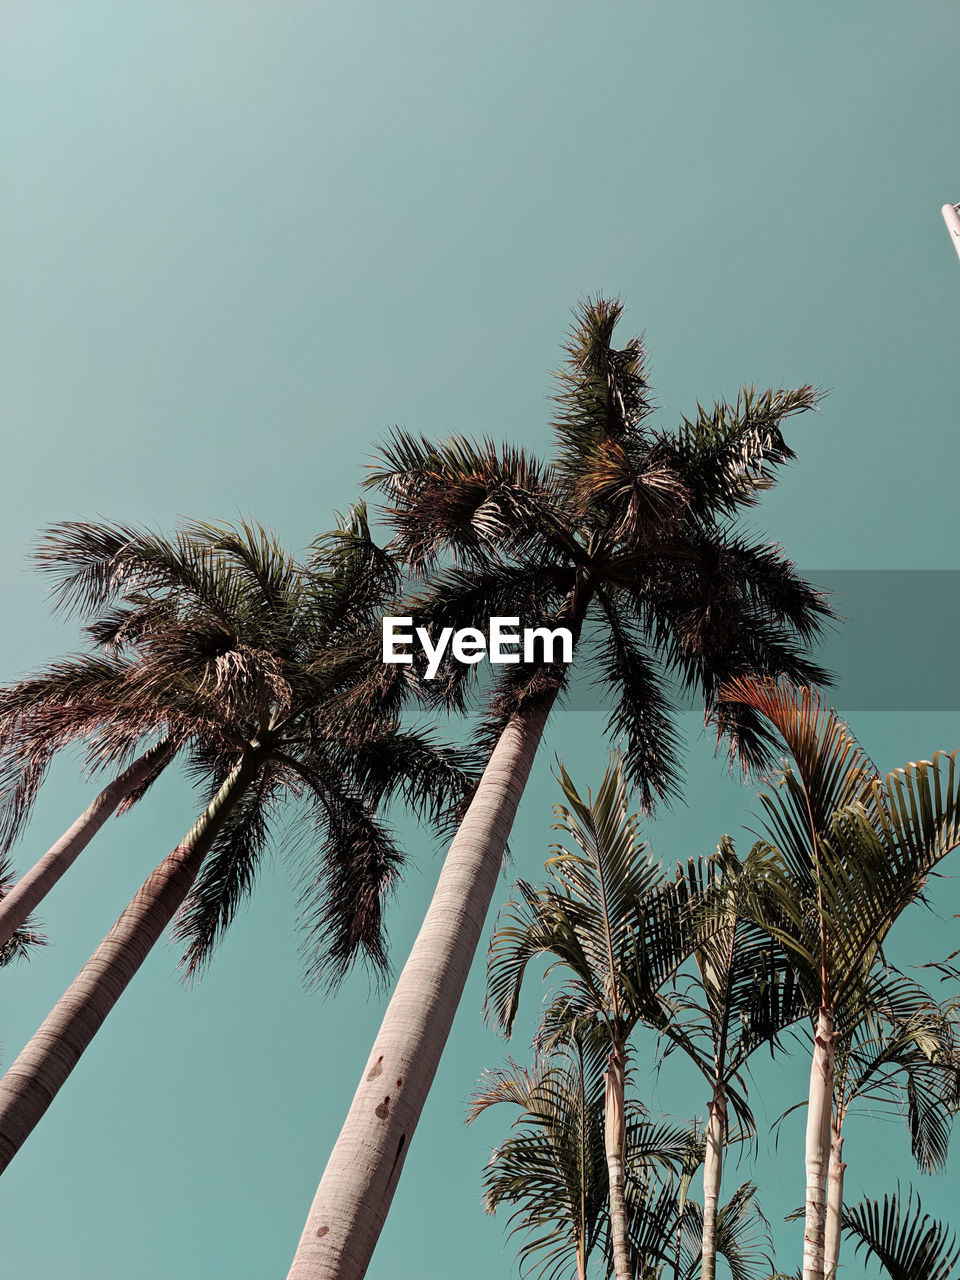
x,y
951,217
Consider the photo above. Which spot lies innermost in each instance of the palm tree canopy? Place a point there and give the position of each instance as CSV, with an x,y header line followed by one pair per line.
x,y
900,1055
845,850
742,994
610,918
629,534
223,642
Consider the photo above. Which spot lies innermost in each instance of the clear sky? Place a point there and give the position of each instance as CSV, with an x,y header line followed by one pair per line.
x,y
240,241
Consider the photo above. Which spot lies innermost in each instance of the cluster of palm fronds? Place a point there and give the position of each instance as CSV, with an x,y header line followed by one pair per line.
x,y
719,958
262,675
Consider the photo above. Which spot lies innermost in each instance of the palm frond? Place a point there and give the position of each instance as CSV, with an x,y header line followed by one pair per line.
x,y
743,1237
226,879
832,769
603,395
552,1168
27,936
355,574
463,499
726,456
908,1243
609,918
640,723
345,880
429,777
92,564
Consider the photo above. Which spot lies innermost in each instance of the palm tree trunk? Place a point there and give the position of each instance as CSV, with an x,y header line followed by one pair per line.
x,y
712,1172
34,1079
36,883
831,1252
354,1195
615,1140
819,1117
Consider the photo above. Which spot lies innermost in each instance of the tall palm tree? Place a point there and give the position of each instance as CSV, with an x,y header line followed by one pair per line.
x,y
253,658
617,927
846,853
895,1051
742,997
900,1054
628,537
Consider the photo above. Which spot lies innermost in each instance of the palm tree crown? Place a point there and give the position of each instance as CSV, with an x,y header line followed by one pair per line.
x,y
220,643
629,529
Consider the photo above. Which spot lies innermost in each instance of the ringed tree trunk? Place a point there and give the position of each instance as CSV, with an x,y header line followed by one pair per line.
x,y
35,884
34,1079
712,1173
831,1259
615,1141
819,1122
355,1192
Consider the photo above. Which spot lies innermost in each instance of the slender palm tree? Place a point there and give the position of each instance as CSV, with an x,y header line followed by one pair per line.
x,y
908,1243
552,1170
846,853
742,997
253,657
553,1167
628,537
617,926
900,1055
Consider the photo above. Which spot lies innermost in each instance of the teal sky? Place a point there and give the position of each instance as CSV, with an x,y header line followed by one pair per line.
x,y
240,241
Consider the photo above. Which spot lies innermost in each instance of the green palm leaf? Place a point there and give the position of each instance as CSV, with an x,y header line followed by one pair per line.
x,y
908,1243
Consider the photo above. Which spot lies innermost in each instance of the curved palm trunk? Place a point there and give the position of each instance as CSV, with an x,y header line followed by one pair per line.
x,y
712,1173
615,1141
35,884
819,1117
831,1248
354,1195
34,1079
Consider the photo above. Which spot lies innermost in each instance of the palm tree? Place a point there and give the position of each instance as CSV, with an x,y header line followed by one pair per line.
x,y
632,531
618,927
899,1054
846,853
743,996
742,1236
252,657
908,1243
553,1167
